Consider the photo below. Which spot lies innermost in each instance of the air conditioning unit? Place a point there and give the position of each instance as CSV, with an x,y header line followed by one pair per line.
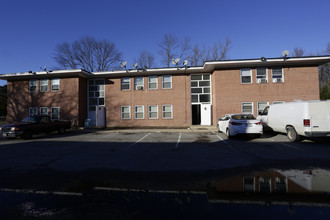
x,y
139,87
263,80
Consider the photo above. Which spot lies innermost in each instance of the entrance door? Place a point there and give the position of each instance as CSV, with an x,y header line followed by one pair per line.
x,y
205,114
196,114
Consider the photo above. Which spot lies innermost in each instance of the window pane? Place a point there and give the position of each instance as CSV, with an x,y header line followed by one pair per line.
x,y
247,107
55,84
101,101
167,114
125,109
261,73
206,90
206,77
194,84
277,72
93,101
99,82
196,90
166,85
204,83
153,115
196,77
204,98
166,108
167,82
194,98
246,79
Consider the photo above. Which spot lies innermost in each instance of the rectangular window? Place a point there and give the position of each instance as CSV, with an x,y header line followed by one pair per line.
x,y
55,113
247,107
125,83
261,107
33,111
261,75
33,85
167,112
153,111
278,102
277,75
167,82
55,84
43,111
139,112
44,85
126,112
246,76
152,82
138,83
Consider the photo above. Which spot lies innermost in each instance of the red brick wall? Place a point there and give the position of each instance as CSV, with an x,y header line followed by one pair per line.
x,y
178,97
228,92
20,99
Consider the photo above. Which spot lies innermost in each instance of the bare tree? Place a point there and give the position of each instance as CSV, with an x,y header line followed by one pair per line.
x,y
88,54
171,48
146,59
298,52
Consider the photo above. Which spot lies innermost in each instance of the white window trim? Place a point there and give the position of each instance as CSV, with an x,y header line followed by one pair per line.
x,y
35,110
51,85
258,106
51,113
121,112
152,112
170,81
135,85
129,83
273,79
150,82
250,70
259,80
135,112
34,80
45,85
41,111
164,112
248,112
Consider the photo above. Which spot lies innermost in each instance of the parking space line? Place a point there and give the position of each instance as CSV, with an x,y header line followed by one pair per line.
x,y
224,141
137,141
288,145
177,143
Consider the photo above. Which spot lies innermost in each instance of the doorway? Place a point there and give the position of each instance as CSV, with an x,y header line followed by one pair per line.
x,y
196,114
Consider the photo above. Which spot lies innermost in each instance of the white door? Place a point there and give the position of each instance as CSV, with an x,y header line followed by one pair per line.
x,y
205,114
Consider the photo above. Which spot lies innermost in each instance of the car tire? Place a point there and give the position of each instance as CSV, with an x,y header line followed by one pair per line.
x,y
27,135
228,133
292,134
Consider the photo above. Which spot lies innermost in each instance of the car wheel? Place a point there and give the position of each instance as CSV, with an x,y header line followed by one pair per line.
x,y
27,135
292,134
228,133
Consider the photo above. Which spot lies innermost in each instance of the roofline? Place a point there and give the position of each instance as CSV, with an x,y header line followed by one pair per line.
x,y
208,67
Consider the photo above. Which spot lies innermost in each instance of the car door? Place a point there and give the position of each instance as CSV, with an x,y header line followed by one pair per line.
x,y
224,123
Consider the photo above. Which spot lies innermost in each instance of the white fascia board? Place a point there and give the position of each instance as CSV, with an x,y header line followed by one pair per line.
x,y
44,73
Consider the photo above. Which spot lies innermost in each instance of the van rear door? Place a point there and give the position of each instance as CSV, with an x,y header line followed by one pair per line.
x,y
320,116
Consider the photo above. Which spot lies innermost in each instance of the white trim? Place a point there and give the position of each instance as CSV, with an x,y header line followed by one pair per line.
x,y
165,112
152,82
252,112
246,69
129,112
152,112
135,112
41,111
167,82
51,113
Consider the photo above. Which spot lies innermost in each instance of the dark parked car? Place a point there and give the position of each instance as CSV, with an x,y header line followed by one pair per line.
x,y
34,125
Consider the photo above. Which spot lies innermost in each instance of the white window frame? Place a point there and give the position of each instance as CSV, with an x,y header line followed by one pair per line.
x,y
167,112
53,84
152,77
250,75
274,80
278,102
51,113
140,84
252,111
163,81
129,112
33,110
258,108
41,85
138,112
149,112
43,108
259,80
31,82
125,83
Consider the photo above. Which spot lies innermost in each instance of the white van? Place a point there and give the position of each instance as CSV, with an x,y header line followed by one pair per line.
x,y
300,118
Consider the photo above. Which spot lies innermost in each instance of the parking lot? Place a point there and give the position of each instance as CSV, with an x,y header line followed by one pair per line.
x,y
156,151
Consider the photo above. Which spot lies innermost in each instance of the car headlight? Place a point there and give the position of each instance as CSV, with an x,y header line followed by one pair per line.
x,y
14,129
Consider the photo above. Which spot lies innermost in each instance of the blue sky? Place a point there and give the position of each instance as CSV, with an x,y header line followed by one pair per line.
x,y
31,29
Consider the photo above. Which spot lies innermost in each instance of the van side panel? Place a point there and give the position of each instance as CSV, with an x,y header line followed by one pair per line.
x,y
320,116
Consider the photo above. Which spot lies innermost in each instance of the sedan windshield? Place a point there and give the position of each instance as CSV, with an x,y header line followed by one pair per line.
x,y
243,117
30,119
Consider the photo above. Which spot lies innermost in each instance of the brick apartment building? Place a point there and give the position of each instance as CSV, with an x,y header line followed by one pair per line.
x,y
163,97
